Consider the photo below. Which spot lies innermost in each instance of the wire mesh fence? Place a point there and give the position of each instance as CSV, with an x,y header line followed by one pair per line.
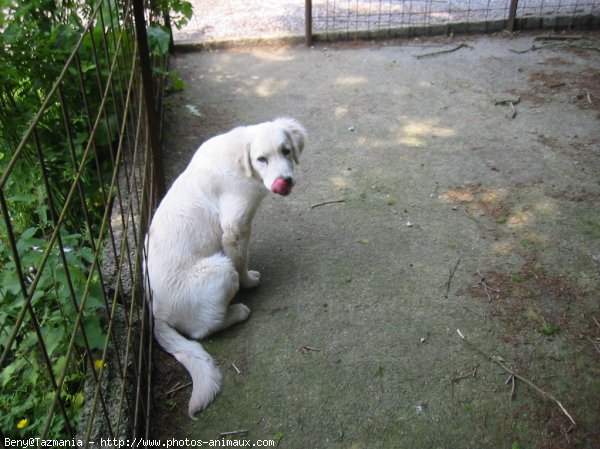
x,y
390,18
228,21
77,183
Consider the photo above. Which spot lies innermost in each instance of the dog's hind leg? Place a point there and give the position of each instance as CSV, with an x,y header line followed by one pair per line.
x,y
235,313
217,282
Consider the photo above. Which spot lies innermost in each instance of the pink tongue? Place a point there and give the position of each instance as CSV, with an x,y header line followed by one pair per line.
x,y
281,187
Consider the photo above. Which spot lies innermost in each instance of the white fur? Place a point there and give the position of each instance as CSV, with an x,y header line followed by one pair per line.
x,y
197,245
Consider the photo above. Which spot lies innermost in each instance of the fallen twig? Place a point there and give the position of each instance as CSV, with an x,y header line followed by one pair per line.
x,y
327,202
450,276
557,38
307,349
596,345
557,44
237,370
239,433
442,52
485,286
540,47
177,388
461,376
499,362
511,379
476,313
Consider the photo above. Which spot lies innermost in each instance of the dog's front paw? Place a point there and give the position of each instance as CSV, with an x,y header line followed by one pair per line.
x,y
251,280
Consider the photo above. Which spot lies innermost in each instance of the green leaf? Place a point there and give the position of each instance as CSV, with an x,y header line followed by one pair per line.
x,y
77,402
59,365
158,40
22,198
9,372
94,332
54,338
177,84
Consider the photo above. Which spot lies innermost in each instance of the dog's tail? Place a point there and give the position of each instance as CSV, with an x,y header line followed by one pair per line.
x,y
206,377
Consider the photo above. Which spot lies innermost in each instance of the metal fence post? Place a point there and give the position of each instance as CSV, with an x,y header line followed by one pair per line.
x,y
308,21
512,15
158,176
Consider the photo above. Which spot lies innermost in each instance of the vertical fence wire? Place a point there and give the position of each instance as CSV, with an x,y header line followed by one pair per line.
x,y
75,341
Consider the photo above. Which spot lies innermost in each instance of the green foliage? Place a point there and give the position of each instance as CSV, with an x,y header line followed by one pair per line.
x,y
26,389
180,11
549,330
158,40
37,38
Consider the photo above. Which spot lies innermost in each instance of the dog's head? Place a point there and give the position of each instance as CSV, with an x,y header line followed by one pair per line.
x,y
272,152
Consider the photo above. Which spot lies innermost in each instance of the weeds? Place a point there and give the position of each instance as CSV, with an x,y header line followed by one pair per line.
x,y
51,292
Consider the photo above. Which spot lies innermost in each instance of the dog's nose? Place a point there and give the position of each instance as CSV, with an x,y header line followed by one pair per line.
x,y
282,186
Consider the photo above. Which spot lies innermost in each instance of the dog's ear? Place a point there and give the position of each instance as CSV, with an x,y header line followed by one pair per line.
x,y
295,133
245,160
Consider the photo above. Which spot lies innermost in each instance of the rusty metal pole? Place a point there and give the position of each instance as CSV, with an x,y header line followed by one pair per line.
x,y
512,15
155,153
308,21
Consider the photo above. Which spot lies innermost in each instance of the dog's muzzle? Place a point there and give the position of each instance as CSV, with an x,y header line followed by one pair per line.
x,y
282,186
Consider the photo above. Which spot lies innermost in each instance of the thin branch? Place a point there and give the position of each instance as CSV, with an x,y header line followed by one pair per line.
x,y
177,388
307,349
518,376
442,52
327,202
485,286
240,433
596,345
450,276
470,374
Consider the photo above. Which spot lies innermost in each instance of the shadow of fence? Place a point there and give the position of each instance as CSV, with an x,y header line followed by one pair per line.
x,y
76,190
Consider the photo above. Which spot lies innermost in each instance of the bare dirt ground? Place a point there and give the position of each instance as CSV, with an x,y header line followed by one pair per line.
x,y
444,191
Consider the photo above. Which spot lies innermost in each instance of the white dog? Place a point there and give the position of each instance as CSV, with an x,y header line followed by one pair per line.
x,y
197,245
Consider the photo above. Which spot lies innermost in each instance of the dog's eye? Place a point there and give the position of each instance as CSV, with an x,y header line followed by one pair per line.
x,y
262,160
286,151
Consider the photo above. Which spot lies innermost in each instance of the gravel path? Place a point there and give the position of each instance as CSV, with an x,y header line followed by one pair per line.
x,y
219,20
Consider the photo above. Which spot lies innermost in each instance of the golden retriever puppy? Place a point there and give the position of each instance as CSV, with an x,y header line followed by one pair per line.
x,y
197,245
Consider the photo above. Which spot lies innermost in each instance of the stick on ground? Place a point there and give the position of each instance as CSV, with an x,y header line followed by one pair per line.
x,y
517,376
442,52
239,433
450,276
327,202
